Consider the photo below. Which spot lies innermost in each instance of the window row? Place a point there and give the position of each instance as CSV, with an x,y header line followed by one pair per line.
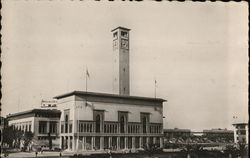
x,y
46,127
24,126
154,129
66,128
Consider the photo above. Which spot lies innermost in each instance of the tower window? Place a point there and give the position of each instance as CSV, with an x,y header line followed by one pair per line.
x,y
124,34
124,69
115,35
98,124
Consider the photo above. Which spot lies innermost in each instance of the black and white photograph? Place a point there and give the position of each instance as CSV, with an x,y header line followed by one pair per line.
x,y
124,79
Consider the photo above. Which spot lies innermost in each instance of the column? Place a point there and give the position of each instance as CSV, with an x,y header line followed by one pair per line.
x,y
83,143
73,143
140,142
47,126
154,140
101,143
60,143
133,142
161,142
77,143
93,142
126,142
68,143
110,142
118,143
147,141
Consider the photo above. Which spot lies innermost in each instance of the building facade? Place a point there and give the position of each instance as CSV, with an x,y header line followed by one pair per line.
x,y
43,123
96,121
222,133
176,133
241,133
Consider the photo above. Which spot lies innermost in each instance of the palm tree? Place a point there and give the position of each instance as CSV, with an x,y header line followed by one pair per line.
x,y
242,150
230,149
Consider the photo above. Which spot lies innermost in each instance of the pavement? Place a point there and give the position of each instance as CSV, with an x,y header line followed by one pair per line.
x,y
52,154
33,154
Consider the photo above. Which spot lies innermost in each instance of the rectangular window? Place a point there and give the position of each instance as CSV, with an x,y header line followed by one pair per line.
x,y
81,128
243,132
42,127
52,127
62,128
70,128
66,128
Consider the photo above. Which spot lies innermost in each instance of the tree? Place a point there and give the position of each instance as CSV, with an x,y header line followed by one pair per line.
x,y
151,149
18,136
230,150
9,135
27,137
242,150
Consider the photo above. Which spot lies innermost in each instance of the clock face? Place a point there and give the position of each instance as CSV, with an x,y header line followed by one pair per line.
x,y
124,34
124,44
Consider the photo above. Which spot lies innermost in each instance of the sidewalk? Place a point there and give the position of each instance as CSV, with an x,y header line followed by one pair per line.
x,y
54,154
32,154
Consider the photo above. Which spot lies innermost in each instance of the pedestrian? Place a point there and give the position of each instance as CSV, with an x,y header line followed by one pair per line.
x,y
36,153
109,153
41,150
60,154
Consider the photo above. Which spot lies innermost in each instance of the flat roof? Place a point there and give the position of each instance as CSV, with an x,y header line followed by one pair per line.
x,y
240,123
177,130
108,95
45,111
119,27
217,131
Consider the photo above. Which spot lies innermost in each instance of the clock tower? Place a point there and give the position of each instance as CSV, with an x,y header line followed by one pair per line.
x,y
121,60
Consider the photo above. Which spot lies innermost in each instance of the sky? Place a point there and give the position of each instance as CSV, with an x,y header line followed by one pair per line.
x,y
197,52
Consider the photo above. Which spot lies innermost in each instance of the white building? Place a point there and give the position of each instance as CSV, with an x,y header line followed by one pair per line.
x,y
95,121
240,133
41,122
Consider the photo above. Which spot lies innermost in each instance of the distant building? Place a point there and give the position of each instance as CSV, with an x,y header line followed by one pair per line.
x,y
218,133
48,104
176,133
3,124
241,133
42,122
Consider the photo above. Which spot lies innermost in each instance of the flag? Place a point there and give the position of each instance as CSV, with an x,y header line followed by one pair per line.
x,y
87,73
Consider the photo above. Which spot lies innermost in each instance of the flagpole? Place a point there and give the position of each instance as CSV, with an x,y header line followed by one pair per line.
x,y
86,75
155,88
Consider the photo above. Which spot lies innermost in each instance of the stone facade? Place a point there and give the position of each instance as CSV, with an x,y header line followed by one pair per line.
x,y
97,121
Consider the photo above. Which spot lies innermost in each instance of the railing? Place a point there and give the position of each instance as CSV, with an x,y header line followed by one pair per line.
x,y
66,127
113,127
86,126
